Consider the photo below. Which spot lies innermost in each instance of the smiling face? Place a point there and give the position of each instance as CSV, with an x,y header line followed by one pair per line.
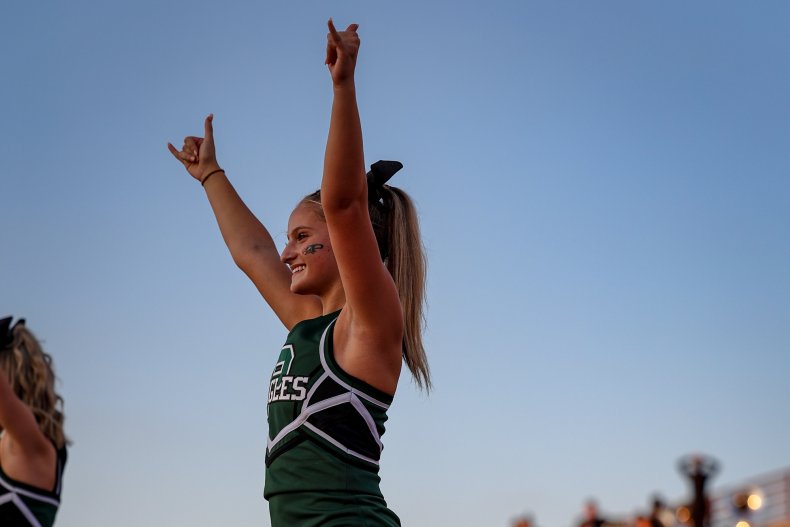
x,y
309,253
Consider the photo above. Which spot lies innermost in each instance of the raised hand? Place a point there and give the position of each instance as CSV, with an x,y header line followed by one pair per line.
x,y
198,155
341,52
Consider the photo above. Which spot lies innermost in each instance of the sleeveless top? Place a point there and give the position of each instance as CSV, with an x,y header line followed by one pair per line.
x,y
23,505
325,426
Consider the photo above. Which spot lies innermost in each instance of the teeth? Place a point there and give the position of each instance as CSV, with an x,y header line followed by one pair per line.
x,y
297,269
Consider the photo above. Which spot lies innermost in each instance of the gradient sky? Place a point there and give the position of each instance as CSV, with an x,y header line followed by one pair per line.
x,y
604,190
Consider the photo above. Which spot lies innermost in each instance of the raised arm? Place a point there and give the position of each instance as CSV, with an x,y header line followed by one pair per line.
x,y
250,244
373,319
18,421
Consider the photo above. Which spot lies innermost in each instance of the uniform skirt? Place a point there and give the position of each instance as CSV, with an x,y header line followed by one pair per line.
x,y
330,509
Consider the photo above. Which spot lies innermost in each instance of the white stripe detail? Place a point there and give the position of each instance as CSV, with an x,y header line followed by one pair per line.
x,y
338,444
20,505
28,493
324,376
305,414
322,351
360,407
352,397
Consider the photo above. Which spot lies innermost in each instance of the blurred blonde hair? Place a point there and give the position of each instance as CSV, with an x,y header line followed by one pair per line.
x,y
397,230
31,375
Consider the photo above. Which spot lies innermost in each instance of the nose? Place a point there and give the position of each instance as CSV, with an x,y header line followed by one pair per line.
x,y
288,253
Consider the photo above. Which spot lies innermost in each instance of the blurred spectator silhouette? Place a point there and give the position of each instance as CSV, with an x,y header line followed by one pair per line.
x,y
699,470
660,515
523,521
591,516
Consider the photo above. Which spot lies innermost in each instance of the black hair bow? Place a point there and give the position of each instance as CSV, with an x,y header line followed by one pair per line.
x,y
7,330
380,173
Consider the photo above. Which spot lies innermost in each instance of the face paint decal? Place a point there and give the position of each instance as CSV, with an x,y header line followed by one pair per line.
x,y
310,249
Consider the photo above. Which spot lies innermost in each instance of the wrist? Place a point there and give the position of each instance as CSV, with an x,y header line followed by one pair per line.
x,y
344,86
210,173
208,167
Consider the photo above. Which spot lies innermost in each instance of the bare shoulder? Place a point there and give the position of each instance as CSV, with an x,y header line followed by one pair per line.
x,y
33,464
369,352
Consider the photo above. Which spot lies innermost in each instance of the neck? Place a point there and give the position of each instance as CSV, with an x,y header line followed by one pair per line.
x,y
333,300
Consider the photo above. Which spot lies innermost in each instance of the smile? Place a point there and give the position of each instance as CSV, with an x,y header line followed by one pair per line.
x,y
297,269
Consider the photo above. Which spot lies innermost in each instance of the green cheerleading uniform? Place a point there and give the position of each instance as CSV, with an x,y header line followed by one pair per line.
x,y
325,428
23,505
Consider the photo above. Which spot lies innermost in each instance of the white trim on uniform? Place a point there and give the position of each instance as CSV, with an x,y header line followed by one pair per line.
x,y
352,396
360,407
14,498
338,444
28,493
305,414
324,363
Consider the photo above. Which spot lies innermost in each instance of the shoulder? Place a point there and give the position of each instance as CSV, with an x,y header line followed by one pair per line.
x,y
369,352
28,465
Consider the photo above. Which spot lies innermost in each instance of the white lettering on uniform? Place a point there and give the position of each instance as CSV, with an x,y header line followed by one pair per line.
x,y
302,390
281,391
285,396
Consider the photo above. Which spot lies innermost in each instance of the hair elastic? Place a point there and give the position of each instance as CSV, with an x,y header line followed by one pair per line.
x,y
203,181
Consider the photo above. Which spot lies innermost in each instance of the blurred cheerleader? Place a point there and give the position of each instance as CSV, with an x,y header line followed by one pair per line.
x,y
32,443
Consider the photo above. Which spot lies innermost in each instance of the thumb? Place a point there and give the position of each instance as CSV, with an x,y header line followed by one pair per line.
x,y
209,128
353,27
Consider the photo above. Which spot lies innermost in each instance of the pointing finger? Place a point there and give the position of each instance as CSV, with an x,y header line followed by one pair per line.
x,y
332,41
335,36
209,127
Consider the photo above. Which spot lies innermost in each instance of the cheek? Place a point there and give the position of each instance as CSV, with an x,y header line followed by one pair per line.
x,y
325,258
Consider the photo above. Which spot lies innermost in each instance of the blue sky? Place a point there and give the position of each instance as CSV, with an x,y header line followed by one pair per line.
x,y
604,195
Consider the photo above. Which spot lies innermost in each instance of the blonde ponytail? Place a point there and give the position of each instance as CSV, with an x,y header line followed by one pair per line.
x,y
406,262
397,230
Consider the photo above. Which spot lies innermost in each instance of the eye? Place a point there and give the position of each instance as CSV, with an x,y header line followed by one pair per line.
x,y
301,236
